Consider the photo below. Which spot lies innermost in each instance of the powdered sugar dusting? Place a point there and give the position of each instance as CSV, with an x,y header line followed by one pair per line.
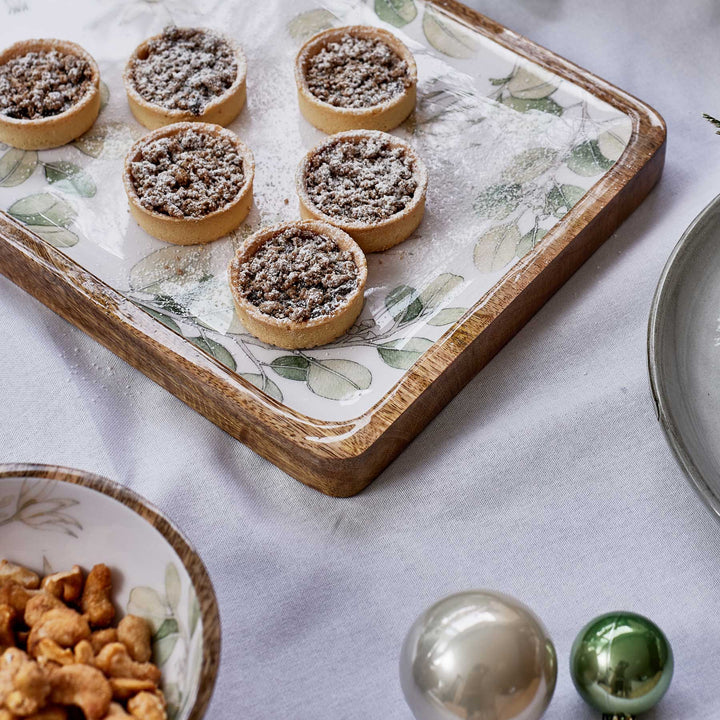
x,y
356,72
188,174
361,179
298,275
43,84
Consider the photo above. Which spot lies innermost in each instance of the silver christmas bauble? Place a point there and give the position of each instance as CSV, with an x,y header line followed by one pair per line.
x,y
478,655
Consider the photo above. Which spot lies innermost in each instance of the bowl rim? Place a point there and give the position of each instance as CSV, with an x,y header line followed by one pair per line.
x,y
209,610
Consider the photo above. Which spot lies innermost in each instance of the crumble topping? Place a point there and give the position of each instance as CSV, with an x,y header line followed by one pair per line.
x,y
188,174
298,275
356,72
185,69
365,180
42,84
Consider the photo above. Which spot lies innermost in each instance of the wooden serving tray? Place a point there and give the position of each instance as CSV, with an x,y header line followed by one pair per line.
x,y
533,161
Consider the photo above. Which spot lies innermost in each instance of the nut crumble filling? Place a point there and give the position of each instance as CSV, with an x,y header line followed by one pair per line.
x,y
188,174
298,275
42,84
185,69
366,180
356,72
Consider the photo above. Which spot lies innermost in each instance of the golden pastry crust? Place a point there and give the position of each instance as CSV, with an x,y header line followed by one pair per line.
x,y
221,111
192,230
284,332
332,119
370,236
54,130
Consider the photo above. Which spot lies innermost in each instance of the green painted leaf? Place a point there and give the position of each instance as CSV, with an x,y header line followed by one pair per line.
x,y
402,353
396,12
218,351
499,201
193,612
500,81
447,316
307,24
91,143
104,94
337,379
612,143
173,269
43,209
587,160
58,237
148,603
546,105
529,241
265,384
164,319
115,136
173,698
163,648
16,166
496,248
403,303
443,285
291,367
562,198
168,627
71,178
447,35
173,586
530,164
530,85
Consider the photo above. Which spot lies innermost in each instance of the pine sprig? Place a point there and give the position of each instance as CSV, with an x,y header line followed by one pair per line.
x,y
714,121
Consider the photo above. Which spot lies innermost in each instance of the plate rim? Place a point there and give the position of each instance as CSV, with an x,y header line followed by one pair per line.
x,y
656,372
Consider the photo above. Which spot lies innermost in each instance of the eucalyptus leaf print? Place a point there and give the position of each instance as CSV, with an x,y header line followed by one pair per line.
x,y
104,95
337,379
58,237
437,291
447,35
447,316
16,166
562,198
43,209
403,353
529,240
396,12
70,178
404,303
214,348
527,90
172,639
545,105
587,159
37,507
530,164
303,26
291,367
613,141
264,383
499,201
496,248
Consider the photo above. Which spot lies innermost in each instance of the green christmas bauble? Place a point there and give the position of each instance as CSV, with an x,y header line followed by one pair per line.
x,y
621,664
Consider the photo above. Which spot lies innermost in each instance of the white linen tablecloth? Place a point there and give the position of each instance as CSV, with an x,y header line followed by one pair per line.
x,y
548,477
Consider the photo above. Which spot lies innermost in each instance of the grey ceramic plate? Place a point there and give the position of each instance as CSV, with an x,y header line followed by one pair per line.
x,y
684,353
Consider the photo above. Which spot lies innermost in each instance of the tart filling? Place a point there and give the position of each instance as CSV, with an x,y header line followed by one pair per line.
x,y
43,83
298,275
188,174
357,72
189,183
184,69
368,183
355,77
298,284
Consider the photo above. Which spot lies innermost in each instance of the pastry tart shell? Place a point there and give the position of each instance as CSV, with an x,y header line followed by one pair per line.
x,y
289,334
222,110
54,130
192,230
332,119
375,236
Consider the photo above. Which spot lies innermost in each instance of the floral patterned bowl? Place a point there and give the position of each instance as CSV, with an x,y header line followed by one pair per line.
x,y
52,518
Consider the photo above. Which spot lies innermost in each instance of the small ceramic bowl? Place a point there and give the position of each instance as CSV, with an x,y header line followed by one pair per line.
x,y
52,518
